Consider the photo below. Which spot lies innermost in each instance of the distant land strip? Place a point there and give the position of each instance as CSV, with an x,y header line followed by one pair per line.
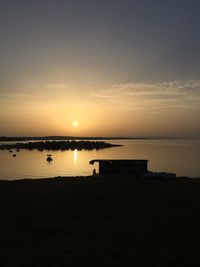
x,y
58,145
43,138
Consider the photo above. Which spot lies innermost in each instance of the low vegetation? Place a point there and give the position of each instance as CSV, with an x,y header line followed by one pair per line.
x,y
59,145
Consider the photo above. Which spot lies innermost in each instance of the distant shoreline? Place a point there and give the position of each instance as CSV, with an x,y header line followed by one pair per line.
x,y
63,138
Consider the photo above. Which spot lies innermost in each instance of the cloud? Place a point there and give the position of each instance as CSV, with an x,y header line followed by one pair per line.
x,y
164,96
35,92
34,98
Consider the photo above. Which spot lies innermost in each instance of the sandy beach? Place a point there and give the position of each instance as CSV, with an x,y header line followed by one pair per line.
x,y
100,221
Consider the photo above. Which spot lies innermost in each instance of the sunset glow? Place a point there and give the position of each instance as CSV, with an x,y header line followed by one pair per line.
x,y
99,132
119,76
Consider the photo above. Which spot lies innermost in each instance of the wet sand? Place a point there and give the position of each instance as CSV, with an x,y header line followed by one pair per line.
x,y
95,221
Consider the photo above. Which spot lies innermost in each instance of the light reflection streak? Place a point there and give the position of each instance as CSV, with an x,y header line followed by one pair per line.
x,y
75,155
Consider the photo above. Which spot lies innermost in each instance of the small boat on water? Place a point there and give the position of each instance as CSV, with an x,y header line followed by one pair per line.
x,y
49,158
14,155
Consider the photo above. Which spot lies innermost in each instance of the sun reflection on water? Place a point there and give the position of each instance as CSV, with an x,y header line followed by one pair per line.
x,y
75,155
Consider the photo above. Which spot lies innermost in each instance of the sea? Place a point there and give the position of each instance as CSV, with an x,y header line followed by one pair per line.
x,y
176,156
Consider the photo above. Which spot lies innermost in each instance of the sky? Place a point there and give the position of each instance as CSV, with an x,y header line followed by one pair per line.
x,y
100,68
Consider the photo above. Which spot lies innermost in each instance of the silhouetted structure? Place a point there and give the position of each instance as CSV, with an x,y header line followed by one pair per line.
x,y
135,167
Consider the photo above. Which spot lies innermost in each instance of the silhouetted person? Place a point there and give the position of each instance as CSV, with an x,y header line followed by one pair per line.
x,y
94,172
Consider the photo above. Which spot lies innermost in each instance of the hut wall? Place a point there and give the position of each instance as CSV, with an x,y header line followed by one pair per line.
x,y
105,167
117,167
138,167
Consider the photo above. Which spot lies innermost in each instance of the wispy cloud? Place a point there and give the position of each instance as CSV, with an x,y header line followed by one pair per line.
x,y
35,92
162,96
33,98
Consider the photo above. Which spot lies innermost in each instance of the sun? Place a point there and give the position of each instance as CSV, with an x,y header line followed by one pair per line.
x,y
75,123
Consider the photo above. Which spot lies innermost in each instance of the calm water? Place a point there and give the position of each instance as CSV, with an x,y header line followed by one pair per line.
x,y
181,157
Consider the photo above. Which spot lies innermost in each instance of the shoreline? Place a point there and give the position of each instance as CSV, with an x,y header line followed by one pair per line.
x,y
103,177
63,138
99,221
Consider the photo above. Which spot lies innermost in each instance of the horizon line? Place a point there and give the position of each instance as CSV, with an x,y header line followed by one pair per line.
x,y
6,138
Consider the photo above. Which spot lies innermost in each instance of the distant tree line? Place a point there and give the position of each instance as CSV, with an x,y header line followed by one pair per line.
x,y
54,138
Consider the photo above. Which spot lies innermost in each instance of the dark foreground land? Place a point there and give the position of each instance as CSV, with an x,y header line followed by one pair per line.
x,y
95,221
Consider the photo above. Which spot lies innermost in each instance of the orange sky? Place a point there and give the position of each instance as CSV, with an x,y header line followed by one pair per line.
x,y
118,68
133,109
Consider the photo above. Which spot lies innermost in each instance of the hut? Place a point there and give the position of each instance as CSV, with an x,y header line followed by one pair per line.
x,y
135,167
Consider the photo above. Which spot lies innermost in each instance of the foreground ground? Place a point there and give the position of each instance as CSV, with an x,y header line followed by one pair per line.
x,y
100,222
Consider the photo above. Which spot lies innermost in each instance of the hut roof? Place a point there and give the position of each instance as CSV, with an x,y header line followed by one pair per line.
x,y
119,160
